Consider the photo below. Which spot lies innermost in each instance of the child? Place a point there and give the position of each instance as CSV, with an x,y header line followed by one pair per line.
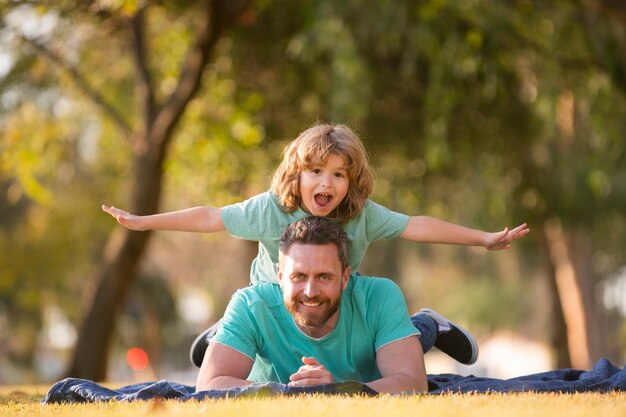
x,y
325,172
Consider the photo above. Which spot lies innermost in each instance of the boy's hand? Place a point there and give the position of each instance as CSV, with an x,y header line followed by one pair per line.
x,y
123,217
503,239
311,373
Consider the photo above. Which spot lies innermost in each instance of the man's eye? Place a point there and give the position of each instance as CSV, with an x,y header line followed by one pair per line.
x,y
325,277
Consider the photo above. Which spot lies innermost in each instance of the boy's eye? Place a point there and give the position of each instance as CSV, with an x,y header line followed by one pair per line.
x,y
316,170
339,175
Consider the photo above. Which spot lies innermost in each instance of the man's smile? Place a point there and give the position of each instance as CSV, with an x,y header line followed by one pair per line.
x,y
312,302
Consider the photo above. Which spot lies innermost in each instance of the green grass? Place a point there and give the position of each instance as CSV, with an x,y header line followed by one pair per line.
x,y
25,402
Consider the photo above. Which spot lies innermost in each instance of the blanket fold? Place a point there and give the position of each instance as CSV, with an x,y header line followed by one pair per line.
x,y
604,377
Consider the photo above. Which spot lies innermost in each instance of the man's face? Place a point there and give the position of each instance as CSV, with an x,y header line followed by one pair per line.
x,y
312,282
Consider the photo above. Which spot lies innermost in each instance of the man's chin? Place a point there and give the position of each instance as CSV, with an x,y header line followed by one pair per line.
x,y
310,320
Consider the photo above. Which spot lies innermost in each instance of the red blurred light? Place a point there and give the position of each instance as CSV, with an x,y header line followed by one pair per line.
x,y
137,359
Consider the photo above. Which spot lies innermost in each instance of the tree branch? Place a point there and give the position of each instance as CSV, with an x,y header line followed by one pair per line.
x,y
609,55
217,17
140,50
82,84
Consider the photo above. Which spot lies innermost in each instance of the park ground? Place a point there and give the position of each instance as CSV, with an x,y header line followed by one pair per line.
x,y
25,401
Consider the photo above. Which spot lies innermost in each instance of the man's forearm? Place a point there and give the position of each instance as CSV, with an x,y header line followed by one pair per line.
x,y
223,367
401,364
399,383
221,382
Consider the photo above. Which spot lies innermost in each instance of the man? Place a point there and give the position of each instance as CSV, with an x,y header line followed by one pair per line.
x,y
320,325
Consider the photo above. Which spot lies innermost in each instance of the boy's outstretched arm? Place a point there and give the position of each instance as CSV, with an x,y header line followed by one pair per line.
x,y
196,219
432,230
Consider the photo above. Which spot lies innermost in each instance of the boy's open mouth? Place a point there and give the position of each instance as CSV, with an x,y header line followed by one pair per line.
x,y
322,199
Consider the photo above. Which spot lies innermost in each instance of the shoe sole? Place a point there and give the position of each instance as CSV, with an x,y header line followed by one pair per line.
x,y
441,339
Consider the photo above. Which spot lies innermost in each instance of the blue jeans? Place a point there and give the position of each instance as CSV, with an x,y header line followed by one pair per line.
x,y
428,328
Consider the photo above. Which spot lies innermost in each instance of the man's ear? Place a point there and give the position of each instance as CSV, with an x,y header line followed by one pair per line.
x,y
280,274
345,278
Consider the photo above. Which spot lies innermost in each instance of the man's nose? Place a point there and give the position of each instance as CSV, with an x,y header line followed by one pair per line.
x,y
310,290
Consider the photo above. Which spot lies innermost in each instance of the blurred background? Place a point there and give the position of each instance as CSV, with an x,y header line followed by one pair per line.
x,y
487,114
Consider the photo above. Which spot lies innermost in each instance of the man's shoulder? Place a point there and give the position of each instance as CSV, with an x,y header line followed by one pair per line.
x,y
374,291
372,284
263,293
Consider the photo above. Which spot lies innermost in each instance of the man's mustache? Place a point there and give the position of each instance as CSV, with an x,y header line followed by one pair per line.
x,y
306,299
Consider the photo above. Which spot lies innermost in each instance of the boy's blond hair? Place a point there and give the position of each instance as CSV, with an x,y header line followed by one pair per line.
x,y
313,148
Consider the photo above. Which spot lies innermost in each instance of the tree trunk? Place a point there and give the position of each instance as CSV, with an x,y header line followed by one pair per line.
x,y
121,261
558,327
125,248
571,260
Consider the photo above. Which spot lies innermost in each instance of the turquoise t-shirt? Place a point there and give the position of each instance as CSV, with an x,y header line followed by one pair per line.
x,y
261,218
372,314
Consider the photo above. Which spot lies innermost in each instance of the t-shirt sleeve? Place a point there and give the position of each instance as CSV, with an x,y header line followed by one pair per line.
x,y
243,220
238,329
383,223
388,311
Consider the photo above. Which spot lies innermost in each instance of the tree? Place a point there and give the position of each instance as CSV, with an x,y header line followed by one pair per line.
x,y
149,132
151,141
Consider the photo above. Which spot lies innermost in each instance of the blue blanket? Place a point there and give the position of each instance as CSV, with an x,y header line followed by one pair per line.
x,y
604,377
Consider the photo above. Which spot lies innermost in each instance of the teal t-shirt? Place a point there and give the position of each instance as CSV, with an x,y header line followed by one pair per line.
x,y
261,218
372,314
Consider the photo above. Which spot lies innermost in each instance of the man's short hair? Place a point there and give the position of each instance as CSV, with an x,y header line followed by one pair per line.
x,y
316,231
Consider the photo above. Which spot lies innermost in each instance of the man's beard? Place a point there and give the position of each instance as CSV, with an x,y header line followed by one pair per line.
x,y
313,320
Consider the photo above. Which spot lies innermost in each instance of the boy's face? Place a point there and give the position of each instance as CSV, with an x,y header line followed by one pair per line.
x,y
312,281
324,186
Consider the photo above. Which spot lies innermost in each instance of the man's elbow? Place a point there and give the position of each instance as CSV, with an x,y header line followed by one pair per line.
x,y
400,383
421,384
212,383
415,383
204,384
220,382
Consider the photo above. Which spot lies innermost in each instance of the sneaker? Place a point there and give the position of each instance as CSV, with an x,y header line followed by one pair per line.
x,y
453,340
201,344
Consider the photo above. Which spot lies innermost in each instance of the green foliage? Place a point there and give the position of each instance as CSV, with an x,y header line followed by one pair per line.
x,y
221,147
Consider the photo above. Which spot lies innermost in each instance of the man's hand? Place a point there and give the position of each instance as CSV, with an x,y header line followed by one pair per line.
x,y
311,373
503,239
